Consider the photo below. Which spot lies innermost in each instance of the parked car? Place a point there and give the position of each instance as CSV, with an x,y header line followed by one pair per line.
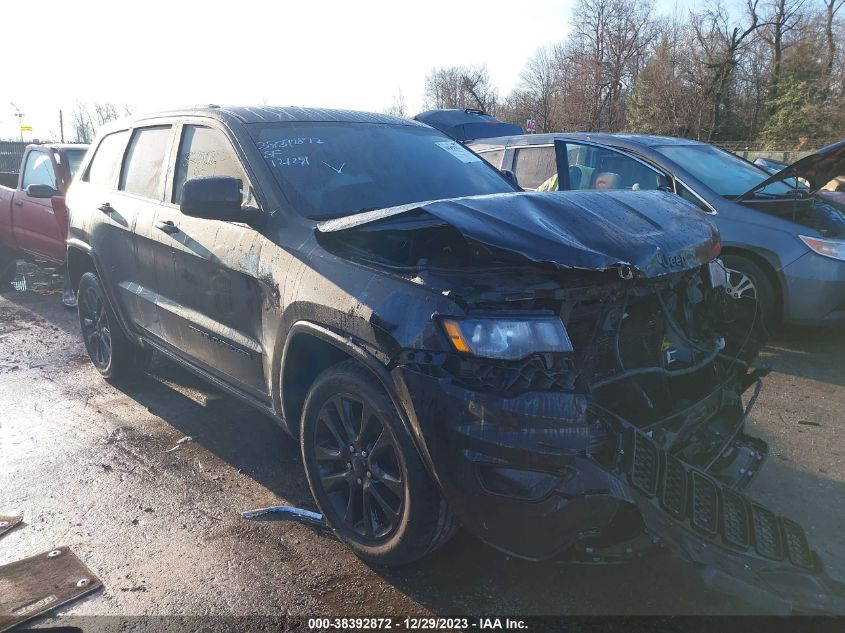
x,y
770,164
783,242
33,217
446,348
466,124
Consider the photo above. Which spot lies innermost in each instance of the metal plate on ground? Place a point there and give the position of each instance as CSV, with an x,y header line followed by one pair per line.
x,y
37,584
7,523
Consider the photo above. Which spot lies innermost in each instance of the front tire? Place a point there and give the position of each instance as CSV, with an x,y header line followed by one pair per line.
x,y
110,351
365,472
747,280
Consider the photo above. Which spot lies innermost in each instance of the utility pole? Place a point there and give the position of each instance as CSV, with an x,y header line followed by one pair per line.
x,y
61,126
19,114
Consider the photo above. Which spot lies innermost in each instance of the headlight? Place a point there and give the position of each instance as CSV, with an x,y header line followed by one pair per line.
x,y
507,338
828,248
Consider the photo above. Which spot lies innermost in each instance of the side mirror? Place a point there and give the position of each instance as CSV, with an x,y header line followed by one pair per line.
x,y
509,176
41,191
215,198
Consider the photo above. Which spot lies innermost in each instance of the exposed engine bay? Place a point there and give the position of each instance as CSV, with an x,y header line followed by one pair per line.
x,y
630,440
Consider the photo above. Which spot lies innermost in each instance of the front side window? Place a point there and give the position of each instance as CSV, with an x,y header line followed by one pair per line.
x,y
726,174
593,167
205,152
534,165
144,160
106,161
332,169
38,171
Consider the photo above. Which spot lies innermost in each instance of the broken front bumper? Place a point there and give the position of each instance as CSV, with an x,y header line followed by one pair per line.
x,y
537,476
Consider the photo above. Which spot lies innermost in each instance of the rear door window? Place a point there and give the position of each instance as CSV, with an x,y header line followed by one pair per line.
x,y
205,152
38,171
106,160
144,161
534,165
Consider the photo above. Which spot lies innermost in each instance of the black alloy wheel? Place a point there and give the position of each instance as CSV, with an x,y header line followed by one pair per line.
x,y
112,353
365,471
96,329
359,466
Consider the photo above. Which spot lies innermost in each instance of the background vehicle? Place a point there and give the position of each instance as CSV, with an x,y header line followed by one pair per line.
x,y
770,164
467,124
33,217
445,347
786,244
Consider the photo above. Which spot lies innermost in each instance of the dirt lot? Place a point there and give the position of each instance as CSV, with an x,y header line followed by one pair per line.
x,y
100,470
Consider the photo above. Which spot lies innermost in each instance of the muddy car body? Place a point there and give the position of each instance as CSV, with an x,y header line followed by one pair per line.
x,y
560,373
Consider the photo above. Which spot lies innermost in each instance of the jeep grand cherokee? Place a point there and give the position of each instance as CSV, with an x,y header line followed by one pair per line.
x,y
560,373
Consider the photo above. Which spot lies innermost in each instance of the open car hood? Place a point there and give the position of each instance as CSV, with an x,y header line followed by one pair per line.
x,y
817,169
651,232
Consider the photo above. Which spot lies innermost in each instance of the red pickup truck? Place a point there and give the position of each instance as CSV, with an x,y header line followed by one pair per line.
x,y
33,216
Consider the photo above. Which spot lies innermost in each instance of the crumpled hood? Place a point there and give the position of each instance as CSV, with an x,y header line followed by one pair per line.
x,y
817,169
652,232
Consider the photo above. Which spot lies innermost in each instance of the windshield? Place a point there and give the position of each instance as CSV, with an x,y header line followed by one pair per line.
x,y
329,170
74,160
726,174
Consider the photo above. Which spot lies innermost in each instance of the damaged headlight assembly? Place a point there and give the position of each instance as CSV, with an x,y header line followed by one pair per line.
x,y
507,338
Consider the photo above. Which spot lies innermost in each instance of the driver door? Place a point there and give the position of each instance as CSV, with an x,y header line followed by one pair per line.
x,y
35,221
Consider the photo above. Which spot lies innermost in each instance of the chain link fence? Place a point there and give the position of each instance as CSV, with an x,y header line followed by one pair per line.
x,y
11,153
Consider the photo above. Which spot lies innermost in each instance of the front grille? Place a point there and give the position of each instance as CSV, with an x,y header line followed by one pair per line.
x,y
737,531
712,508
705,504
674,489
646,467
796,544
767,537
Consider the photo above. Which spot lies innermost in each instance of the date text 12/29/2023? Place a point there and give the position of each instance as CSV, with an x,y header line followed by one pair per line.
x,y
417,624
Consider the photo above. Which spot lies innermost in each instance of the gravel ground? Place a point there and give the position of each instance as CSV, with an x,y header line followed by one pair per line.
x,y
101,470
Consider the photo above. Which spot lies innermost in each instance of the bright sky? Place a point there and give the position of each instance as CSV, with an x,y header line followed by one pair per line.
x,y
154,54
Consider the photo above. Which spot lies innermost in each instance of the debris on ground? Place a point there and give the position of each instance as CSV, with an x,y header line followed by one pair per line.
x,y
32,586
287,513
7,522
187,438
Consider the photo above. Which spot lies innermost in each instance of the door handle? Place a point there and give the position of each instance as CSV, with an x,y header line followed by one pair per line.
x,y
106,208
18,203
167,226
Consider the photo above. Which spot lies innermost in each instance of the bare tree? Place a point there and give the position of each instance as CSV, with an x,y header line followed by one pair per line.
x,y
399,107
460,87
720,42
538,93
831,9
781,17
87,118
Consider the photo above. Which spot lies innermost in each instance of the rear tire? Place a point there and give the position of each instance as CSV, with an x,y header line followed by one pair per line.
x,y
365,472
747,279
110,351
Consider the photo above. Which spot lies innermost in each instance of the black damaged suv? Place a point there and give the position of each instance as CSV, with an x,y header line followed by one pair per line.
x,y
560,373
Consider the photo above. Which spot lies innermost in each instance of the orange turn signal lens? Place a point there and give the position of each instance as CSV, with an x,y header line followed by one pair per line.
x,y
453,331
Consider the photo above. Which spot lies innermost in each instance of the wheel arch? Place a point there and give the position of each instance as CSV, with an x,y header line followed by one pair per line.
x,y
80,260
319,348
